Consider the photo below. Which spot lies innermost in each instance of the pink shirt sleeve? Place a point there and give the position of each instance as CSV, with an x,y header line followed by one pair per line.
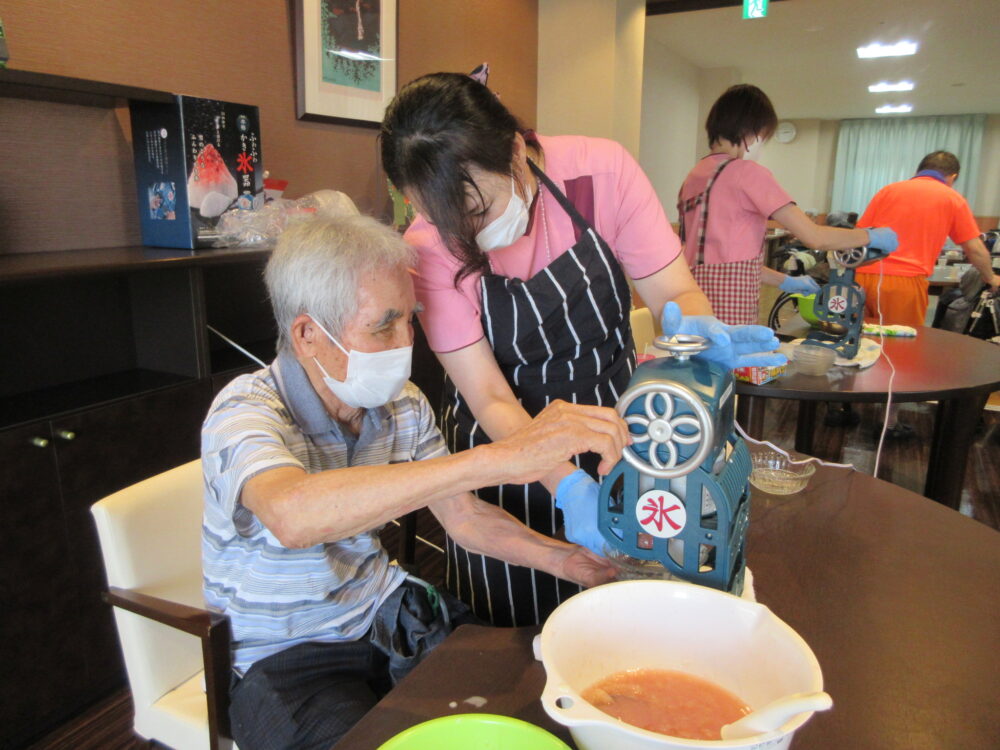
x,y
451,317
760,191
631,218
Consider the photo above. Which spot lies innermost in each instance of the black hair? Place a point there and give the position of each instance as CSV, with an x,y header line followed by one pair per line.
x,y
944,162
742,111
433,130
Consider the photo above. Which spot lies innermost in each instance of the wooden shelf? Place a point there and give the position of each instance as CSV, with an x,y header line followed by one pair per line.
x,y
27,266
53,402
24,84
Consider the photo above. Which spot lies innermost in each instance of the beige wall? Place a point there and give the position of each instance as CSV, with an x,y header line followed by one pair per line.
x,y
244,52
804,167
590,68
670,123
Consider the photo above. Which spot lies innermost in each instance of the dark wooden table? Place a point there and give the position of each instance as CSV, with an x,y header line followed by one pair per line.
x,y
897,596
958,372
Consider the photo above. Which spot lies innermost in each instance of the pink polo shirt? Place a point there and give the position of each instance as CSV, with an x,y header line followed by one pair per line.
x,y
609,186
742,199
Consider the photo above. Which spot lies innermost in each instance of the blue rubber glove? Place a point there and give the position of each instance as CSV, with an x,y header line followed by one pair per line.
x,y
805,285
732,346
576,497
882,238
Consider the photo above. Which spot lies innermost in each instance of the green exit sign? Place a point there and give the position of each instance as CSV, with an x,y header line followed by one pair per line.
x,y
754,8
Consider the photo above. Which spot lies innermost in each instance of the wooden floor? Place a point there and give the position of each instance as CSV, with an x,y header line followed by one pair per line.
x,y
108,725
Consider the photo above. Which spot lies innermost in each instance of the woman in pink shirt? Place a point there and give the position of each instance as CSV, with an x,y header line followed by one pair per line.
x,y
526,244
724,237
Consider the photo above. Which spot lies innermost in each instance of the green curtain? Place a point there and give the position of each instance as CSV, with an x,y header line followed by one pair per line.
x,y
871,153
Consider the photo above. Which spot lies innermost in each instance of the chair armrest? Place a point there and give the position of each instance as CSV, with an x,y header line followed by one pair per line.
x,y
193,620
214,632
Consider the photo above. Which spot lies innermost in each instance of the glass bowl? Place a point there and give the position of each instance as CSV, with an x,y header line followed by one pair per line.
x,y
777,474
633,569
813,360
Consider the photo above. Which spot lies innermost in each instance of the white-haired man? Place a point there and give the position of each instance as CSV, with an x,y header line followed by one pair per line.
x,y
306,459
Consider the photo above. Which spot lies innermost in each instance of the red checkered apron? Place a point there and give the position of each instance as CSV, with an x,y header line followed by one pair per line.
x,y
733,288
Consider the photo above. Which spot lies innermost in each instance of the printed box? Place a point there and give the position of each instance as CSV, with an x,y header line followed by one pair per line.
x,y
194,159
758,375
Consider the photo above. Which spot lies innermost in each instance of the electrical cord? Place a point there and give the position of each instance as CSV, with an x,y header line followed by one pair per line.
x,y
892,374
233,344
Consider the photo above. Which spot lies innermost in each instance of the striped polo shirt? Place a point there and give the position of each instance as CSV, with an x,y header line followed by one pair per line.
x,y
277,597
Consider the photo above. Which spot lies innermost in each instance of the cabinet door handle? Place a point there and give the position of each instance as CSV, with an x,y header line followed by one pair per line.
x,y
39,442
66,434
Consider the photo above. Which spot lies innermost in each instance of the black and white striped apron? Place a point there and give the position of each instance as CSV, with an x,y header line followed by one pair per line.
x,y
562,334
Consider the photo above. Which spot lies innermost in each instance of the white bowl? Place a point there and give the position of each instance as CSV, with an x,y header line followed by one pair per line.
x,y
739,645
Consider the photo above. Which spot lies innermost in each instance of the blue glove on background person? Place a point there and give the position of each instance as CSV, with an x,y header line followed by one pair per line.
x,y
576,497
799,285
732,346
882,238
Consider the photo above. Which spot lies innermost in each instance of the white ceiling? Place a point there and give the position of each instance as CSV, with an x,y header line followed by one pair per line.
x,y
803,53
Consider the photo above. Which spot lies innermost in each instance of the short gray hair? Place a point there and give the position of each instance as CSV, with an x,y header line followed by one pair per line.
x,y
317,265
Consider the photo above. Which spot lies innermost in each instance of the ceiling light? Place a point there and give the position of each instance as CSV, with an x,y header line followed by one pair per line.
x,y
889,109
876,49
883,86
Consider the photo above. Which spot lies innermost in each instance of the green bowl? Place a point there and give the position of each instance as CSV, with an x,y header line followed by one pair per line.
x,y
805,306
475,731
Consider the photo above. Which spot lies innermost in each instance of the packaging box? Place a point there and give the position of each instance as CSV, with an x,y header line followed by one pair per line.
x,y
194,158
758,375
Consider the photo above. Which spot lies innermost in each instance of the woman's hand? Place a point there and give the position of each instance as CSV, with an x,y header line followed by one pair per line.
x,y
577,497
732,346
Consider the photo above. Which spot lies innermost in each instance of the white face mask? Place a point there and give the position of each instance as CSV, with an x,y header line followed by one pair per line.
x,y
373,378
506,228
753,150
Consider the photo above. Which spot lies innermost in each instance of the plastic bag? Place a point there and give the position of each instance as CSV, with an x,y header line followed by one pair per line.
x,y
261,227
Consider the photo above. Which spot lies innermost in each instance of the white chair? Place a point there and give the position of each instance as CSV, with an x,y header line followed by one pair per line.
x,y
176,652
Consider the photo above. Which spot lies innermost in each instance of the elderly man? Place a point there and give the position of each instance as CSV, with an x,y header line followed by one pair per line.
x,y
308,458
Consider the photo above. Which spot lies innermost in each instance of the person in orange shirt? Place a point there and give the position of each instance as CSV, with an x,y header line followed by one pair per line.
x,y
924,211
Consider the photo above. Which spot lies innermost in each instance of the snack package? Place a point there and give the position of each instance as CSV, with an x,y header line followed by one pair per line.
x,y
759,375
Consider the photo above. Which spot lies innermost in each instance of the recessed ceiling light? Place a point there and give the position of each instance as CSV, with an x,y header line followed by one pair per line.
x,y
877,49
891,109
883,86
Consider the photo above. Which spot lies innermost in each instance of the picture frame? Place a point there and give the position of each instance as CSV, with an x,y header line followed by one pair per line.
x,y
345,55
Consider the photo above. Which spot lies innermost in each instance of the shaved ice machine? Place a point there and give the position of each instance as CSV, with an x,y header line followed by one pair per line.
x,y
194,159
677,503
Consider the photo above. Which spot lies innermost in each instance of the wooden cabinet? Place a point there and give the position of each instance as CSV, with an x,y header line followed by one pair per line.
x,y
109,366
111,359
38,591
113,369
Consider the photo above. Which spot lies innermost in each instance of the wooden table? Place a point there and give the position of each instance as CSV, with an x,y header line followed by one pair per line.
x,y
958,372
896,595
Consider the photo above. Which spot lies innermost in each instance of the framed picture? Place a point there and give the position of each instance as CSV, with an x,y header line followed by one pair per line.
x,y
345,52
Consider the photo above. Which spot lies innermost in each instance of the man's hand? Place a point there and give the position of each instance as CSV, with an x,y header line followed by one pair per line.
x,y
584,567
559,432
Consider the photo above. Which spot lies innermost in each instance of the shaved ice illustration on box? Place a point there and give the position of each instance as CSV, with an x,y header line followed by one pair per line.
x,y
210,186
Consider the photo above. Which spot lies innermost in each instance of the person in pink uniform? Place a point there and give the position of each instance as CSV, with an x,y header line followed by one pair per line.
x,y
725,202
526,244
